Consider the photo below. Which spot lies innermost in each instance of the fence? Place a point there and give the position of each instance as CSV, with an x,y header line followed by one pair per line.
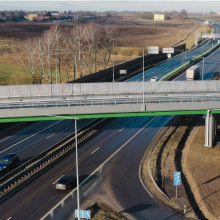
x,y
75,89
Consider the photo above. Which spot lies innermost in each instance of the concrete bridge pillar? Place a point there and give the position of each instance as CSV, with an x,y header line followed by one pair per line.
x,y
210,129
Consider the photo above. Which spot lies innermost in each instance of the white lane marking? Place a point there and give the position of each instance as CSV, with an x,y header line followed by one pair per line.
x,y
56,180
97,169
9,218
122,129
95,150
141,164
5,138
50,136
29,137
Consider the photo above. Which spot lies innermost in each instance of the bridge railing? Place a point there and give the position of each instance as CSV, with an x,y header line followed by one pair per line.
x,y
76,89
107,102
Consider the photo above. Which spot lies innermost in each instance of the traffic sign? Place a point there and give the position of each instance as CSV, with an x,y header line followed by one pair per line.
x,y
153,50
123,71
177,178
168,50
83,214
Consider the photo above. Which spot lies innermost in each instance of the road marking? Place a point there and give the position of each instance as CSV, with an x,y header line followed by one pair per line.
x,y
95,150
50,136
56,180
110,157
9,218
30,137
122,129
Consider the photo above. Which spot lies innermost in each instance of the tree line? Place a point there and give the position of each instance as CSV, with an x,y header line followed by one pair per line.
x,y
67,51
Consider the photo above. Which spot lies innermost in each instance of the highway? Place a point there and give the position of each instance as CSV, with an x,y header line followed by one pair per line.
x,y
40,196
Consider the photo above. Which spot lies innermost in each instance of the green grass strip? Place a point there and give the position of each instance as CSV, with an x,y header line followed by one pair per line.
x,y
185,64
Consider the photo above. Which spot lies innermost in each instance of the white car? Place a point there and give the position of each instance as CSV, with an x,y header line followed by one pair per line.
x,y
154,79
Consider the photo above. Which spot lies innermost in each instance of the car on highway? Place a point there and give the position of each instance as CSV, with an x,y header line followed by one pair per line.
x,y
66,182
154,79
9,161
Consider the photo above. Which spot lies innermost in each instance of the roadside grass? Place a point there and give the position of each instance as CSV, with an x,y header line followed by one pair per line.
x,y
11,74
190,40
134,35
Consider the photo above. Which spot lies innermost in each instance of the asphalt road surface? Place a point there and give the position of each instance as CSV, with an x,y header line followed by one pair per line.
x,y
40,196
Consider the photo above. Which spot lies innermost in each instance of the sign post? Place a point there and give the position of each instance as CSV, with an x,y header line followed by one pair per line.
x,y
177,180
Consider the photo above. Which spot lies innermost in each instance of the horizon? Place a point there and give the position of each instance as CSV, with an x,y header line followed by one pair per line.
x,y
115,6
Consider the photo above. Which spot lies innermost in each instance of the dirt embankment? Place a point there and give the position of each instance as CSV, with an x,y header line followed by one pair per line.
x,y
181,148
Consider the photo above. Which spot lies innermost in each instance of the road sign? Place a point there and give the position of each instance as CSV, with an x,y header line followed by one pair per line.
x,y
168,50
83,214
153,50
177,178
123,71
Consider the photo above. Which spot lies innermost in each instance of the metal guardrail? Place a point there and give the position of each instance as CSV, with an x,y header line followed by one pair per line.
x,y
19,176
126,101
189,62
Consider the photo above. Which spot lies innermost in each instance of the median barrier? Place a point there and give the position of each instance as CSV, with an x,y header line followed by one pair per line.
x,y
186,65
18,177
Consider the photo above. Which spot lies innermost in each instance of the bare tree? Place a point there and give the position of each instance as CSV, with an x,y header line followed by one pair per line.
x,y
56,31
49,43
106,41
29,62
41,50
93,38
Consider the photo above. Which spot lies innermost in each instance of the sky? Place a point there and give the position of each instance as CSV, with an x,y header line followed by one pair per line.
x,y
110,5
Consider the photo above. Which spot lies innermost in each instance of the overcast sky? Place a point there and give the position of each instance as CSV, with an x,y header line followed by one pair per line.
x,y
122,5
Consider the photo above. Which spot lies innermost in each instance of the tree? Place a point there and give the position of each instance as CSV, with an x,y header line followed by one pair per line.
x,y
182,14
30,48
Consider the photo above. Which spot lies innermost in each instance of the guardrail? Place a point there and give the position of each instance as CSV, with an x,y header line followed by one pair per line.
x,y
200,98
18,177
187,64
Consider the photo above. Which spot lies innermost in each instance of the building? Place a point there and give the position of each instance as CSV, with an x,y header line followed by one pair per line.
x,y
159,17
32,16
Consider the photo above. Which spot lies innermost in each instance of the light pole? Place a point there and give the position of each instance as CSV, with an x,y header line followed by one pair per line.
x,y
202,67
113,61
77,168
143,74
113,68
59,61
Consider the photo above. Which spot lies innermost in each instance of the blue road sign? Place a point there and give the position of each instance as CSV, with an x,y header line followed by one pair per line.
x,y
83,214
177,178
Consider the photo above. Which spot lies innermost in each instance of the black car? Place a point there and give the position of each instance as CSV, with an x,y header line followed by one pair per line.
x,y
9,161
66,182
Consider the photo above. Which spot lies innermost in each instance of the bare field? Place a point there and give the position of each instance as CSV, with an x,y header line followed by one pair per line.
x,y
203,176
134,34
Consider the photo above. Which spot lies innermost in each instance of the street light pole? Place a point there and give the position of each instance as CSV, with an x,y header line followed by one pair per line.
x,y
77,170
143,75
59,62
113,61
77,167
202,68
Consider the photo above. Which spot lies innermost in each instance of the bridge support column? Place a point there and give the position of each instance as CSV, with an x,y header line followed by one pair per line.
x,y
210,129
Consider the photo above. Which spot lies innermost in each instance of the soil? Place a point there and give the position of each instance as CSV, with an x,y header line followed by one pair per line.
x,y
181,148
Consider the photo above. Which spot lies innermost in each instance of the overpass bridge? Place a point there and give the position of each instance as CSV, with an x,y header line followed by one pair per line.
x,y
119,99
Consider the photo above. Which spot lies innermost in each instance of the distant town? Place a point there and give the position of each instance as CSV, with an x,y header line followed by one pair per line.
x,y
48,16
